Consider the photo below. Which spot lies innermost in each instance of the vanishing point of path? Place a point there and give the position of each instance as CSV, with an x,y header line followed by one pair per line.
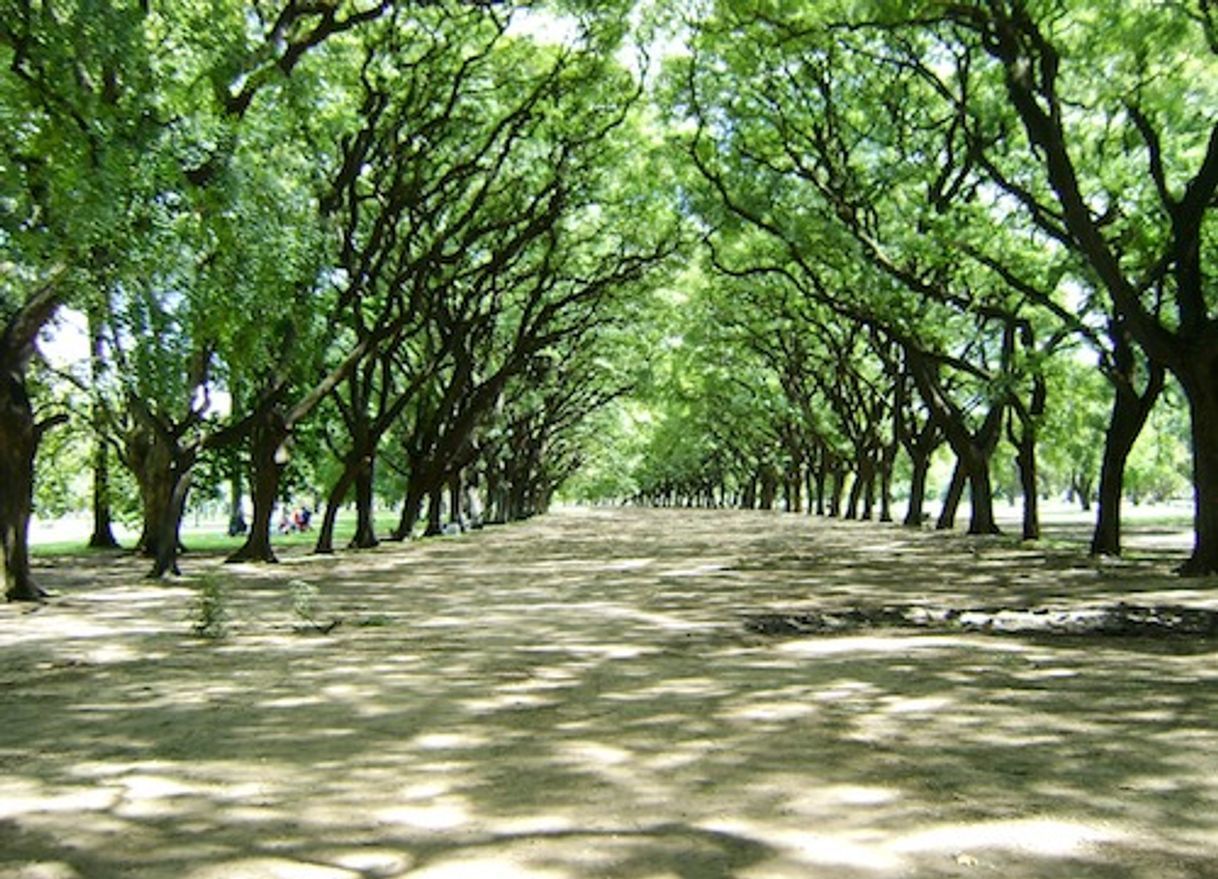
x,y
577,696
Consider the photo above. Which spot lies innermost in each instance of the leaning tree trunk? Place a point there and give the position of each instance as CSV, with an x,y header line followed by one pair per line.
x,y
268,456
411,508
20,434
334,501
1129,413
951,501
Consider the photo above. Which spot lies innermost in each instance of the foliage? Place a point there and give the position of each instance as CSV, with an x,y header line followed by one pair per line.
x,y
210,615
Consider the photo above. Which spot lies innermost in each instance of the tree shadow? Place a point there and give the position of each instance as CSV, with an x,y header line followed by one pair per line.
x,y
576,696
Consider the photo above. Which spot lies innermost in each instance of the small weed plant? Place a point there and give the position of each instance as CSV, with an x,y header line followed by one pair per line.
x,y
210,617
303,597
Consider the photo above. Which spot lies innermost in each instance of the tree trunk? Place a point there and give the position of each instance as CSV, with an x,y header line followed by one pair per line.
x,y
236,495
411,508
822,474
151,462
334,502
268,456
1200,384
915,513
455,516
749,500
435,521
103,521
1025,459
103,525
18,444
837,487
981,496
1025,462
888,457
951,501
169,528
365,518
1129,413
769,488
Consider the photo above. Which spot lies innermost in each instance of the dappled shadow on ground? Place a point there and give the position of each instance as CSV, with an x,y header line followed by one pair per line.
x,y
578,696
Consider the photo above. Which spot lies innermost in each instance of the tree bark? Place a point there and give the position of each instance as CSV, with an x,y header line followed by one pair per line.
x,y
334,502
914,514
411,507
103,523
103,520
1129,413
1200,383
435,504
169,527
150,459
951,500
365,518
268,456
18,444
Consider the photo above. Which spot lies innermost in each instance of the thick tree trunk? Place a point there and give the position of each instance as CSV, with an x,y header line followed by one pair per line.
x,y
412,506
435,507
169,528
151,462
20,434
951,501
1201,387
837,488
858,505
769,488
1129,413
915,513
268,456
18,444
365,517
981,494
455,513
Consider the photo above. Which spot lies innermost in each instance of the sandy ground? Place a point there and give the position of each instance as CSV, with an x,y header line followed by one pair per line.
x,y
577,697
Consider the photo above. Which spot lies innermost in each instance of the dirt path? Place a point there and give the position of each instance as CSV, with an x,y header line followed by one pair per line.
x,y
577,697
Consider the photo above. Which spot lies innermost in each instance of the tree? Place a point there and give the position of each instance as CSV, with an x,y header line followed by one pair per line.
x,y
1093,139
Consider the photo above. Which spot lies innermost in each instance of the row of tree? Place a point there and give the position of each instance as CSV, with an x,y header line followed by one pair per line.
x,y
408,230
412,234
916,212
